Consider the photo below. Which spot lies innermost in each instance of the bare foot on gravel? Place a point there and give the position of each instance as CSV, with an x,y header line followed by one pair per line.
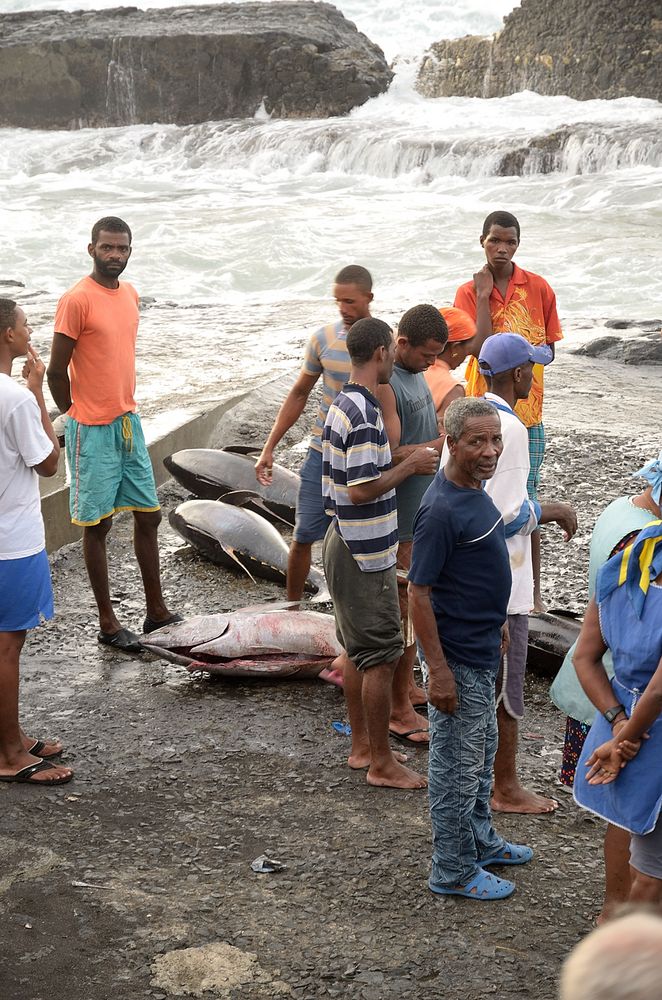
x,y
41,748
394,775
521,800
358,761
418,696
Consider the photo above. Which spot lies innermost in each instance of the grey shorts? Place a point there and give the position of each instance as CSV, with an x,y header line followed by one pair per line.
x,y
510,679
365,605
646,851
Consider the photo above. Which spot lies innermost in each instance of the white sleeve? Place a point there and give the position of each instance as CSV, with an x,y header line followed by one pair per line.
x,y
25,431
507,487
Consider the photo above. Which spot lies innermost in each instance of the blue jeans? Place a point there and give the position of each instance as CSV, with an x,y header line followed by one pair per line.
x,y
462,749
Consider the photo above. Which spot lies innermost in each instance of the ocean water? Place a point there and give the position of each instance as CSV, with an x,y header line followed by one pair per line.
x,y
240,226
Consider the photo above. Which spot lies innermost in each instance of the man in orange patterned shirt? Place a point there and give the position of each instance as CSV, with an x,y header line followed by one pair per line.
x,y
503,297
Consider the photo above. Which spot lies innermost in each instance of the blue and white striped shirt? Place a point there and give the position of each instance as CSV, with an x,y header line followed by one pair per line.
x,y
355,450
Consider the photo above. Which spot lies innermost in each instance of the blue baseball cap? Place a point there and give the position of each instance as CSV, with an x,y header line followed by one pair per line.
x,y
503,351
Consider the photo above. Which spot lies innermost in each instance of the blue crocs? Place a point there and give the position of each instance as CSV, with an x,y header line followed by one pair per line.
x,y
483,887
510,854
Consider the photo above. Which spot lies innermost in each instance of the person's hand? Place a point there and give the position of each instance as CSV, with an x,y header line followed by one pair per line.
x,y
604,764
264,467
424,461
483,282
34,370
442,692
566,520
628,749
505,639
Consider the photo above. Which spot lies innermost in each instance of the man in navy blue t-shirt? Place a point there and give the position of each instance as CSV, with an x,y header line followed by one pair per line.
x,y
459,589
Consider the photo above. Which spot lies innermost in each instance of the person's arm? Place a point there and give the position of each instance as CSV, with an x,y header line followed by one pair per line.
x,y
33,373
58,376
290,411
562,514
393,428
442,692
587,659
553,330
421,462
457,392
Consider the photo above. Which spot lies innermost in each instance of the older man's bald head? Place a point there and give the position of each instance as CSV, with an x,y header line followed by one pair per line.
x,y
621,960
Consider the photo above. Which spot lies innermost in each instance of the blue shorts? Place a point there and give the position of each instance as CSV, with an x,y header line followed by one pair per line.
x,y
26,594
536,455
110,469
312,520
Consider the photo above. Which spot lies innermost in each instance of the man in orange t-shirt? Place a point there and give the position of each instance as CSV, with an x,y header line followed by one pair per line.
x,y
504,298
92,378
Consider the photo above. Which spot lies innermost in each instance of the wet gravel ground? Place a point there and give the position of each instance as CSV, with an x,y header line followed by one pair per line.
x,y
182,781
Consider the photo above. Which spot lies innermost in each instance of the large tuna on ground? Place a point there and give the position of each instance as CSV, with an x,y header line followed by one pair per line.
x,y
237,538
253,642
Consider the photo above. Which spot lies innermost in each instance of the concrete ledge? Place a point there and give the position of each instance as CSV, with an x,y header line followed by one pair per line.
x,y
193,433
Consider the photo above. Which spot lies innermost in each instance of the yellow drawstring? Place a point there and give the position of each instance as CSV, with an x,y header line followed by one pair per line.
x,y
127,431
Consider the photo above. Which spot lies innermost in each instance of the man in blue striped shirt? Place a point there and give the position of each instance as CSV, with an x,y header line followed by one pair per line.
x,y
358,484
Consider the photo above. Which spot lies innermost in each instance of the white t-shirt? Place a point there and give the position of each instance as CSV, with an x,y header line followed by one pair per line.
x,y
23,444
507,490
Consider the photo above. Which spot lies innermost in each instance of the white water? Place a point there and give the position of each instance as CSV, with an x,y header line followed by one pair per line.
x,y
240,226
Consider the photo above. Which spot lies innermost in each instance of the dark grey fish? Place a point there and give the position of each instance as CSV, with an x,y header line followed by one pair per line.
x,y
238,538
210,474
550,637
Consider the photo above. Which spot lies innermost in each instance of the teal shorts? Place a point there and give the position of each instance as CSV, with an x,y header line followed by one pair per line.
x,y
536,455
110,469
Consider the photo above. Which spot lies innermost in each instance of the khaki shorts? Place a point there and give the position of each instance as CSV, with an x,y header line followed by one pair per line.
x,y
365,606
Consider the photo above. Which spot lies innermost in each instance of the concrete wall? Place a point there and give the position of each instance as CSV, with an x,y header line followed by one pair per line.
x,y
194,433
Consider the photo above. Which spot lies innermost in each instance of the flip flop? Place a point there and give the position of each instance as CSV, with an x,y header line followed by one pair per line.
x,y
404,737
483,887
124,640
518,854
24,776
37,750
149,625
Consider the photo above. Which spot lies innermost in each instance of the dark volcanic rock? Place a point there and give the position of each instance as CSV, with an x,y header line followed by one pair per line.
x,y
183,65
585,50
641,347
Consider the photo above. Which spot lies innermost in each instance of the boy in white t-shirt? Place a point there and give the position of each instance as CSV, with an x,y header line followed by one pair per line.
x,y
28,448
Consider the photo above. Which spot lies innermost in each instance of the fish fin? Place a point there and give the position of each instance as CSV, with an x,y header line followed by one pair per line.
x,y
239,498
242,449
229,551
321,597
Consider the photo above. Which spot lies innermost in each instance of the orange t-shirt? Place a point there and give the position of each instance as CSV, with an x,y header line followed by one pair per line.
x,y
440,380
102,371
529,308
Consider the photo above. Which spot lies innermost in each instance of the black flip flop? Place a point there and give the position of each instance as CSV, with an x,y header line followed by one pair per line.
x,y
124,640
404,738
37,750
149,625
24,776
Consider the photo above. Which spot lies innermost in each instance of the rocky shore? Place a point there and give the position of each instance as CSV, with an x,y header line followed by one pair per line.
x,y
135,882
183,65
584,50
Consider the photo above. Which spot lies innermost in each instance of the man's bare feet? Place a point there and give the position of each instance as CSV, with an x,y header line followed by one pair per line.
x,y
359,761
539,606
521,800
392,774
406,724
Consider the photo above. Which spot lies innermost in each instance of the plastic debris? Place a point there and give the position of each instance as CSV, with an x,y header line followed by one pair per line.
x,y
265,866
342,728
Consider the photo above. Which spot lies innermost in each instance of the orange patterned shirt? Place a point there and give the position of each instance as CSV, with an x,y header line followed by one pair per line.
x,y
529,308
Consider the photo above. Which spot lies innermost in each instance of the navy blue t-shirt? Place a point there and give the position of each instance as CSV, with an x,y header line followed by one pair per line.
x,y
460,552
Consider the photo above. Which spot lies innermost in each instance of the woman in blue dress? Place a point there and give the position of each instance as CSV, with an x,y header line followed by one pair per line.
x,y
619,775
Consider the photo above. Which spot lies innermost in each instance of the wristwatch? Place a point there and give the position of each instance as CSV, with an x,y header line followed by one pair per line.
x,y
611,713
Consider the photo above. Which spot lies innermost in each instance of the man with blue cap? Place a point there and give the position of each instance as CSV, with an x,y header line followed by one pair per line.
x,y
506,361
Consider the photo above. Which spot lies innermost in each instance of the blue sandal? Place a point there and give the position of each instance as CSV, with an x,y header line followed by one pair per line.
x,y
510,854
483,887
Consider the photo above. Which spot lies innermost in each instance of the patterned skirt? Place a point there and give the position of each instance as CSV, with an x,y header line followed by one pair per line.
x,y
575,735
